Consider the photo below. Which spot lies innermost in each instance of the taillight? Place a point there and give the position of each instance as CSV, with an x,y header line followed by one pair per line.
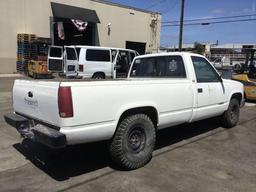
x,y
81,68
65,102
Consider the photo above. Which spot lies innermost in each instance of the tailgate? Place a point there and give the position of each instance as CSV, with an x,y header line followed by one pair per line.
x,y
37,99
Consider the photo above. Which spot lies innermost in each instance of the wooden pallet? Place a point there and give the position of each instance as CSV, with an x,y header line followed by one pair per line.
x,y
22,37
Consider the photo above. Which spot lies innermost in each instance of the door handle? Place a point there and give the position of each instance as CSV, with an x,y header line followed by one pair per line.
x,y
200,90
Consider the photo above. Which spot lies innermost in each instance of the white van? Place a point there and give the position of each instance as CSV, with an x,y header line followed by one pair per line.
x,y
90,61
63,60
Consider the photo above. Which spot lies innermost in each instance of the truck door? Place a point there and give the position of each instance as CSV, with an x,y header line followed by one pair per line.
x,y
55,59
70,61
209,87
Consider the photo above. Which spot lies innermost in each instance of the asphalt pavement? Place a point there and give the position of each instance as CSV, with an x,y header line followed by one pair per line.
x,y
201,156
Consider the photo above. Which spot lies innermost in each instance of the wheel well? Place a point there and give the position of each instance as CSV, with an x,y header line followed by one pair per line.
x,y
101,73
237,96
149,111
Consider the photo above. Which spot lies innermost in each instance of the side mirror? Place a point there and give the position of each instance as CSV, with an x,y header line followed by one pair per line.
x,y
220,79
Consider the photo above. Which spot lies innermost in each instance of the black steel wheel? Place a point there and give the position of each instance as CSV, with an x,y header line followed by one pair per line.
x,y
136,139
133,142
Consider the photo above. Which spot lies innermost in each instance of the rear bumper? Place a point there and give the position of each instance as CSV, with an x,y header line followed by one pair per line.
x,y
39,133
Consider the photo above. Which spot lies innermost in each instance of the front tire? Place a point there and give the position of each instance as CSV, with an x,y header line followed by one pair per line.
x,y
231,116
133,142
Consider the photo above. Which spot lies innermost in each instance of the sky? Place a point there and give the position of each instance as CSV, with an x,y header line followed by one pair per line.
x,y
239,32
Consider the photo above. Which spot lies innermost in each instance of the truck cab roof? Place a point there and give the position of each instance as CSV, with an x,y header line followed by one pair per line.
x,y
169,54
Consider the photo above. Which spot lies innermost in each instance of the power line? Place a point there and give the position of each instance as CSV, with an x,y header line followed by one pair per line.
x,y
170,9
155,4
208,23
212,18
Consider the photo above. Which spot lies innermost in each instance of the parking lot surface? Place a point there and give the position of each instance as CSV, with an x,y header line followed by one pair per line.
x,y
201,156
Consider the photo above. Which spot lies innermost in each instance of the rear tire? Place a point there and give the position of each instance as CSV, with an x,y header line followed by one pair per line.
x,y
133,142
231,116
98,76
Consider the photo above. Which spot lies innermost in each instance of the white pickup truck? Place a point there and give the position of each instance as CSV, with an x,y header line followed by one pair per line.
x,y
162,90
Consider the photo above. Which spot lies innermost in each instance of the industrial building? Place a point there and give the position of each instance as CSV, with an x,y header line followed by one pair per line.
x,y
234,52
231,52
76,22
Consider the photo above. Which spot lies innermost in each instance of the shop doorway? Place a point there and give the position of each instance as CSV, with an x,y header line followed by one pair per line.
x,y
71,35
73,25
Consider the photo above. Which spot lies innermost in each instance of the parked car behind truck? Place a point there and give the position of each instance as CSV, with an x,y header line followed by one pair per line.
x,y
90,61
161,90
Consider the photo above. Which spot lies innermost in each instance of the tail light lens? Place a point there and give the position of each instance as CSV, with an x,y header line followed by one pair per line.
x,y
65,102
81,68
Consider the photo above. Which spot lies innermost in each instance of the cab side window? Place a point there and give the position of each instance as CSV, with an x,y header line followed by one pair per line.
x,y
204,70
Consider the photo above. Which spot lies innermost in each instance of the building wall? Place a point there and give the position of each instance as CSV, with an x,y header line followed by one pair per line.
x,y
32,16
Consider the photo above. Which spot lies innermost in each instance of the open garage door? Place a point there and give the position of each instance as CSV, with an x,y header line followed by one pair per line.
x,y
137,46
73,25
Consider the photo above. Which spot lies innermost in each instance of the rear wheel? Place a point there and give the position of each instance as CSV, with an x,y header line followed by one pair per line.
x,y
98,76
133,142
231,116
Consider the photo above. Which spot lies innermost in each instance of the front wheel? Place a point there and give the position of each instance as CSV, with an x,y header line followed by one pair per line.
x,y
231,116
133,142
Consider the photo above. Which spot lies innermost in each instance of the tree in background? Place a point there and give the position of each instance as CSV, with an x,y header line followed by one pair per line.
x,y
199,48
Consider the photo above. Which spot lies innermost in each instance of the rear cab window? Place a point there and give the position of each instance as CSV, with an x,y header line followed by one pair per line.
x,y
159,67
98,55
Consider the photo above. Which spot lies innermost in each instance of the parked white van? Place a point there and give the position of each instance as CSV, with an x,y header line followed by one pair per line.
x,y
91,61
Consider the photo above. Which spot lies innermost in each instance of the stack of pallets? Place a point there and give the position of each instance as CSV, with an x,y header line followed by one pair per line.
x,y
24,50
33,51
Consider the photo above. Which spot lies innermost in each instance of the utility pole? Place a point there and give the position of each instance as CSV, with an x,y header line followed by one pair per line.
x,y
181,24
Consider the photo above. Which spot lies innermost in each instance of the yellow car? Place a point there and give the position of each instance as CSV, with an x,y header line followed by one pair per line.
x,y
249,86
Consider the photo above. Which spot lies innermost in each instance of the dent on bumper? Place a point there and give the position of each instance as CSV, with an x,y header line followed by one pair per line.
x,y
40,133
